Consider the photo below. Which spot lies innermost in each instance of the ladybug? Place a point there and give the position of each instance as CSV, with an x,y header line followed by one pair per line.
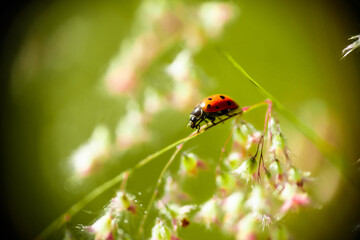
x,y
210,108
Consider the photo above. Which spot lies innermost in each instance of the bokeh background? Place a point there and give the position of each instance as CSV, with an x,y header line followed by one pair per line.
x,y
57,94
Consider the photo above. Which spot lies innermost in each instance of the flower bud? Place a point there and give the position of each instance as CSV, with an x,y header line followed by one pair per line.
x,y
233,160
246,169
131,129
160,231
178,214
190,164
247,227
89,156
210,212
180,68
153,101
296,176
242,132
121,80
292,198
278,144
103,228
253,142
245,139
225,182
276,170
298,199
233,208
257,201
214,15
123,202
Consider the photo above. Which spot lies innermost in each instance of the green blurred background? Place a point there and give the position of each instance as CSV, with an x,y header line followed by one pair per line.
x,y
54,56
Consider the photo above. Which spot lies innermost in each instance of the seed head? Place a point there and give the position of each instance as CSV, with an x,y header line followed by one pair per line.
x,y
352,46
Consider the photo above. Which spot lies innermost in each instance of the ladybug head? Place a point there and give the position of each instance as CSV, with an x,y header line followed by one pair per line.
x,y
195,116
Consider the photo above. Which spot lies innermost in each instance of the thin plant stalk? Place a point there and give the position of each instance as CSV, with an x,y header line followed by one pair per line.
x,y
152,199
74,209
179,147
244,109
328,150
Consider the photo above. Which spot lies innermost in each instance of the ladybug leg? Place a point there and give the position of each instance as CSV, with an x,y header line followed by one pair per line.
x,y
212,119
197,126
209,118
227,113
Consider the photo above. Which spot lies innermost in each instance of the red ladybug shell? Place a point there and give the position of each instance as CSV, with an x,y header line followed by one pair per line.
x,y
218,102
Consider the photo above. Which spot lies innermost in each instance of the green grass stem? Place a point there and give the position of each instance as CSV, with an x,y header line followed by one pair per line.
x,y
328,150
74,209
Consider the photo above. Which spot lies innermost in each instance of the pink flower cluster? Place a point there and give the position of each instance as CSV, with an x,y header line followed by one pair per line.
x,y
256,186
159,27
122,208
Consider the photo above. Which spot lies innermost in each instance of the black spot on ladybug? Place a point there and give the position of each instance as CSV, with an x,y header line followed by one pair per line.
x,y
208,106
210,98
222,97
217,107
228,103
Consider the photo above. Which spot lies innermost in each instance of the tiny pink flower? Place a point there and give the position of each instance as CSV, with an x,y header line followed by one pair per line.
x,y
247,227
234,160
131,128
121,80
103,228
191,164
180,68
295,201
210,212
122,202
90,156
226,183
160,231
214,15
246,169
233,208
